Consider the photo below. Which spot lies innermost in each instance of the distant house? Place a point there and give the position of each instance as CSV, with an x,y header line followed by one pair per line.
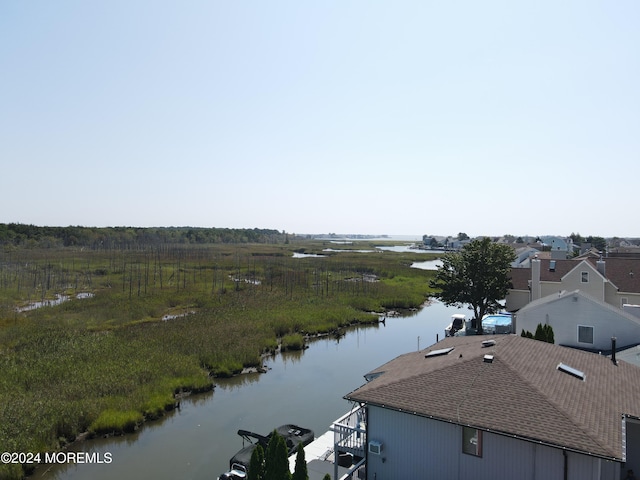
x,y
524,254
483,407
615,281
560,249
580,321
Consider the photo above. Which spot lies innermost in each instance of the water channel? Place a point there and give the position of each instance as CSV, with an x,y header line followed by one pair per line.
x,y
304,388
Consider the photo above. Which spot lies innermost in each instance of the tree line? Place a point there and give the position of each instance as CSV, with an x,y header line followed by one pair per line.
x,y
34,236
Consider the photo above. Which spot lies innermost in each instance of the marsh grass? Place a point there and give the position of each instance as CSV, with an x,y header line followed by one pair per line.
x,y
293,341
106,363
116,422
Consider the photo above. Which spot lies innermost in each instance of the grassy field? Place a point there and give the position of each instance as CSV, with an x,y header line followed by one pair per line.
x,y
162,320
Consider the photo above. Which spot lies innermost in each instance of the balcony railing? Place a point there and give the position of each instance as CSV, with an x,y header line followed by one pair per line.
x,y
350,433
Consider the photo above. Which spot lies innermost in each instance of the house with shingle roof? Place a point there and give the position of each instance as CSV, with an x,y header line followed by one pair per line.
x,y
579,320
487,407
615,281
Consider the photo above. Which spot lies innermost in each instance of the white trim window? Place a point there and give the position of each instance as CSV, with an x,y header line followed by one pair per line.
x,y
584,277
585,334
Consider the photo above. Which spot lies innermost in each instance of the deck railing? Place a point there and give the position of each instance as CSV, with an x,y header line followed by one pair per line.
x,y
350,433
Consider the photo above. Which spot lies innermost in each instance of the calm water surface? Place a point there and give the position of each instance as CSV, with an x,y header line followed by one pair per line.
x,y
304,388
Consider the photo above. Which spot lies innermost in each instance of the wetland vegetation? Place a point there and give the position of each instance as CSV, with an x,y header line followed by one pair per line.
x,y
163,319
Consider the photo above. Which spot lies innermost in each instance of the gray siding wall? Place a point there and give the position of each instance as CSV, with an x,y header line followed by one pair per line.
x,y
516,299
415,447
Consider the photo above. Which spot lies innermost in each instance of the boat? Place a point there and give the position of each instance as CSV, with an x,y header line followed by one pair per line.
x,y
457,323
239,464
237,472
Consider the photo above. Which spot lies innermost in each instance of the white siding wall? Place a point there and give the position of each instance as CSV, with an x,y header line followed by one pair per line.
x,y
566,313
415,447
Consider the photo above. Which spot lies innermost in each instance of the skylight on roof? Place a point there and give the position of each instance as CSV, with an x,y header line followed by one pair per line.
x,y
437,353
574,372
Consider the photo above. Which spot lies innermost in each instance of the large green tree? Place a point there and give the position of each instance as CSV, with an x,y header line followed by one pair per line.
x,y
477,276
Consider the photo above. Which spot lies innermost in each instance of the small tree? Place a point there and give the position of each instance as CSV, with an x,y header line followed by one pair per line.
x,y
526,334
276,462
540,334
326,477
300,471
256,464
550,336
544,333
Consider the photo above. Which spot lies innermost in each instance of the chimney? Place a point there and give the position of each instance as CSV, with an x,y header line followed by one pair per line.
x,y
613,350
600,265
535,278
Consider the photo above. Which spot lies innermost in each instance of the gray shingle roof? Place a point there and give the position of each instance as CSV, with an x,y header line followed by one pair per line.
x,y
520,393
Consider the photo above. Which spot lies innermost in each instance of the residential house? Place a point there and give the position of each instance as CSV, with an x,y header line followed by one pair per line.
x,y
560,249
524,254
612,280
487,407
580,321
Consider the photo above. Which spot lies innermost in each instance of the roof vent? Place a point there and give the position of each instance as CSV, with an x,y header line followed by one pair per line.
x,y
571,371
488,343
488,359
437,353
372,376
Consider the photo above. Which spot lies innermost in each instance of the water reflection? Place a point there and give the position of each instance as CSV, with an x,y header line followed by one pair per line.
x,y
233,383
52,302
428,265
409,248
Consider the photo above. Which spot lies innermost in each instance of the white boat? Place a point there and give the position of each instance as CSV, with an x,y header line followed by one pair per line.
x,y
457,323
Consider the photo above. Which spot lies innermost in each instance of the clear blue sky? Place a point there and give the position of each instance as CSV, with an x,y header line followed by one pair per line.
x,y
375,117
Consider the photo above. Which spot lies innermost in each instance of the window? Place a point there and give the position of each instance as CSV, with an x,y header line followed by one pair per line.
x,y
585,277
472,441
585,334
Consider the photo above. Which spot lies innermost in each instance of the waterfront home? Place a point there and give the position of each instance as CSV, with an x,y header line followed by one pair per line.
x,y
487,407
581,321
615,281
